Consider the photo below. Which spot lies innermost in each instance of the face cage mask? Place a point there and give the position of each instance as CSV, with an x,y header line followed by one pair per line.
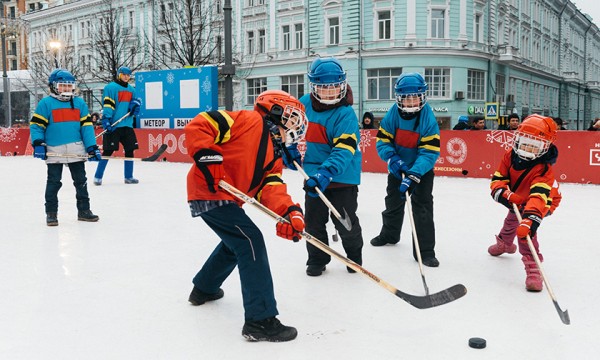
x,y
315,89
411,110
295,123
65,95
529,147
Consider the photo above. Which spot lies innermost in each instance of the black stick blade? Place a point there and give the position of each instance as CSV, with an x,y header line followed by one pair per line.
x,y
440,298
564,315
157,154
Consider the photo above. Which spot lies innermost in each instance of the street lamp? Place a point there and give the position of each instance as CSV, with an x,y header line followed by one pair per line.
x,y
55,46
6,93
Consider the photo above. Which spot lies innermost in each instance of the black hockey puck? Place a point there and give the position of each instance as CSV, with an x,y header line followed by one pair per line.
x,y
477,343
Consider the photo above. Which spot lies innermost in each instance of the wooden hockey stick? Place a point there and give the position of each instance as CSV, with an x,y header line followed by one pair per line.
x,y
113,124
564,315
416,240
420,302
150,158
345,220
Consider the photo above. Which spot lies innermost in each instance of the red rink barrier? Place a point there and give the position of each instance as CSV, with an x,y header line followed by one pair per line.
x,y
462,153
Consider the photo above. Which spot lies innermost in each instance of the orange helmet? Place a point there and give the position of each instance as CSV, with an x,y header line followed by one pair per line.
x,y
534,136
283,110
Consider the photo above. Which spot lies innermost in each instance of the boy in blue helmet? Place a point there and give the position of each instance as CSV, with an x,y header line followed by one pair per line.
x,y
409,141
119,100
61,124
332,161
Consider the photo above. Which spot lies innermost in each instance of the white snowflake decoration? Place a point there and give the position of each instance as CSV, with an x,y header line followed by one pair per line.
x,y
505,138
365,140
206,85
170,78
7,134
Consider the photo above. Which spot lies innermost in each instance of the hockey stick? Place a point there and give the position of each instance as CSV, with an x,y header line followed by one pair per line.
x,y
420,302
564,315
344,220
150,158
113,124
416,240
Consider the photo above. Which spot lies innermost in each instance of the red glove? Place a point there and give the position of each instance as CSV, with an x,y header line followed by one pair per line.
x,y
529,225
210,163
294,226
506,197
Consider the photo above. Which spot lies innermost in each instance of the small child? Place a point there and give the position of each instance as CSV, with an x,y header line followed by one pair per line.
x,y
525,178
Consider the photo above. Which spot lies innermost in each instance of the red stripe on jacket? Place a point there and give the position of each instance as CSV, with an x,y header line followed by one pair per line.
x,y
65,115
316,133
406,139
125,96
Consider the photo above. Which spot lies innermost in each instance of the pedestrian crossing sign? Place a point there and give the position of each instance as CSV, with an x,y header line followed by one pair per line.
x,y
491,111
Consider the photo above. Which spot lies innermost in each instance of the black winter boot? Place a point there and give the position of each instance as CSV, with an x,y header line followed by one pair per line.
x,y
198,297
87,215
269,329
51,219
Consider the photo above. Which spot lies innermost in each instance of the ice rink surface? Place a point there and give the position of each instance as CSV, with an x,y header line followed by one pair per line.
x,y
118,288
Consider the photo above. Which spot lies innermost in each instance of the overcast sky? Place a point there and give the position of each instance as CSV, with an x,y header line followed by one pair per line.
x,y
591,7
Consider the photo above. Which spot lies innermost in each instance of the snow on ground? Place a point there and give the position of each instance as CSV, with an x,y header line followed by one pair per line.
x,y
118,289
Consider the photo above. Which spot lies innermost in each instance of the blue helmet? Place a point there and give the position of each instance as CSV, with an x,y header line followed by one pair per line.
x,y
124,70
62,84
410,85
327,80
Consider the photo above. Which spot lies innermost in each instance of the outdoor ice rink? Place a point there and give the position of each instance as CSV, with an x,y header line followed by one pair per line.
x,y
118,289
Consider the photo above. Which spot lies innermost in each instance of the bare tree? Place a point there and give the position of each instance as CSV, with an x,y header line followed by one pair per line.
x,y
116,43
188,33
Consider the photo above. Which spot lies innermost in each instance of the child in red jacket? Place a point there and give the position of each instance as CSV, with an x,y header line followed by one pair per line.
x,y
525,178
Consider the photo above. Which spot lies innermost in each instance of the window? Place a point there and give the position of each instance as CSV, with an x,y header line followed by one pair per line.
x,y
286,37
131,19
384,22
255,87
334,30
380,83
476,85
88,97
293,85
250,36
166,13
219,48
438,81
13,65
299,35
438,17
83,30
221,93
500,80
479,29
262,41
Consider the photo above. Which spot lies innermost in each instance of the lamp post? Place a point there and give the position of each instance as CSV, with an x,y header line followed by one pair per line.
x,y
6,93
55,46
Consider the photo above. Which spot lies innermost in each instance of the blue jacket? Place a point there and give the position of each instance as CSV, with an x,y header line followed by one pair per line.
x,y
56,123
417,141
116,98
332,141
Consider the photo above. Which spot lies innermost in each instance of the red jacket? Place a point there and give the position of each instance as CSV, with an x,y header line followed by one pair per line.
x,y
244,140
539,187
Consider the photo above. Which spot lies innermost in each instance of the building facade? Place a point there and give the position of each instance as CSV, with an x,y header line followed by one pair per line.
x,y
529,56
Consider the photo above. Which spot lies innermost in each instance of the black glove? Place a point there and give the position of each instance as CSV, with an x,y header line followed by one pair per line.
x,y
408,184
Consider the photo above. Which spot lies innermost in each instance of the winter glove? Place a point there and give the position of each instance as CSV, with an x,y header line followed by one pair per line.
x,y
39,150
106,125
396,166
506,197
94,153
135,106
291,154
210,163
291,230
408,184
320,181
529,225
